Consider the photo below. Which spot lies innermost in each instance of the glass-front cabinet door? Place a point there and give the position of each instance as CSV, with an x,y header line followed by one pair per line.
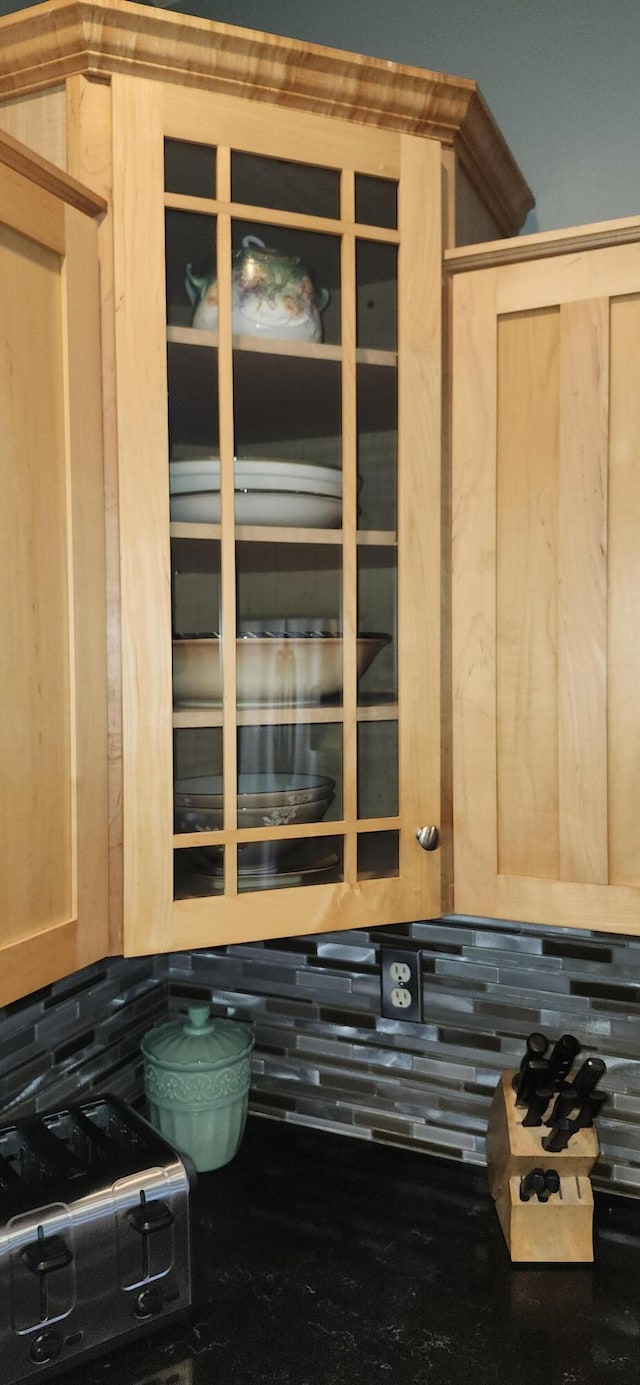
x,y
280,534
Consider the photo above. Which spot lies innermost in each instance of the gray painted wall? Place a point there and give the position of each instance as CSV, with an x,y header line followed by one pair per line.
x,y
560,77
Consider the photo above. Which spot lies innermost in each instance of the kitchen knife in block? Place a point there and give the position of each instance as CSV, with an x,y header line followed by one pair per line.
x,y
513,1150
558,1230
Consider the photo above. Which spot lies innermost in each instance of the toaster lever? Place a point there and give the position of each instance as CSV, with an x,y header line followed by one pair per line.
x,y
150,1216
42,1257
46,1254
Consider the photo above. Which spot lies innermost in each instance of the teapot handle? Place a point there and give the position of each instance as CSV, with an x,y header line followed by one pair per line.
x,y
323,298
252,240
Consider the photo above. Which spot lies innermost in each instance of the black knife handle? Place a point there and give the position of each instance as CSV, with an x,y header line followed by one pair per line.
x,y
562,1058
563,1105
551,1185
536,1047
559,1137
533,1182
590,1107
533,1076
589,1075
537,1106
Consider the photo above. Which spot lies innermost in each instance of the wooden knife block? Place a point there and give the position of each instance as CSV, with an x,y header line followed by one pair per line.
x,y
560,1229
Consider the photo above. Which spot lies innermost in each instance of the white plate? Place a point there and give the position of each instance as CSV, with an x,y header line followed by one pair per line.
x,y
265,474
260,507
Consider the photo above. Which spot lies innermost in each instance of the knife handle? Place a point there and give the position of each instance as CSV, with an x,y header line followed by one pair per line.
x,y
559,1137
563,1105
562,1058
533,1182
591,1107
537,1105
533,1076
589,1075
536,1047
551,1185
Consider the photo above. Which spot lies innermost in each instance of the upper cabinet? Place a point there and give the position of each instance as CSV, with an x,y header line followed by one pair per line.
x,y
271,270
546,578
53,799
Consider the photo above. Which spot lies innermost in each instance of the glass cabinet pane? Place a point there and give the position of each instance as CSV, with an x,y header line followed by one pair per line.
x,y
289,187
285,283
377,618
378,855
190,246
377,296
377,406
189,168
377,769
289,601
376,201
288,406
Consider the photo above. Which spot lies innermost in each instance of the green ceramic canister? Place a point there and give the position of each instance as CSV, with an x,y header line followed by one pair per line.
x,y
197,1073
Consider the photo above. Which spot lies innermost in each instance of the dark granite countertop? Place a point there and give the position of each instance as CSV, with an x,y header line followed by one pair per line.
x,y
322,1260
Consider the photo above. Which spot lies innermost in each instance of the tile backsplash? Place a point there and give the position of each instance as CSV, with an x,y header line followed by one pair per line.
x,y
80,1035
324,1056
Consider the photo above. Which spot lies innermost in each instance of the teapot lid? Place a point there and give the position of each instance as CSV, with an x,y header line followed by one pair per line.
x,y
197,1041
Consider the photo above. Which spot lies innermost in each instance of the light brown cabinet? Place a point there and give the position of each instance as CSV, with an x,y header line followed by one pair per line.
x,y
198,136
546,579
53,792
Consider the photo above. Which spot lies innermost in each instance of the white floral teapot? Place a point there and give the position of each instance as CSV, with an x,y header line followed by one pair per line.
x,y
272,295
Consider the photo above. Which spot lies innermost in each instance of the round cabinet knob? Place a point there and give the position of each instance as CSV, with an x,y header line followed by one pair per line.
x,y
45,1347
148,1302
428,837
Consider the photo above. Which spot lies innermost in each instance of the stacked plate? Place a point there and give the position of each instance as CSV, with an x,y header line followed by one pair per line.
x,y
267,491
264,800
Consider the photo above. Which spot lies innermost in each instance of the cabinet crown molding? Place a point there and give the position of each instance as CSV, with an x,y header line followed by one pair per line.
x,y
42,45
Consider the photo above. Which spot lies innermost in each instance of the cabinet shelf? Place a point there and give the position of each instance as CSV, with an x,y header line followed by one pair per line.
x,y
189,717
254,533
274,346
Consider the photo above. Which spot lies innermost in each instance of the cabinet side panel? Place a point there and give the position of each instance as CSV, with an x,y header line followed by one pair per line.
x,y
140,358
473,220
526,594
39,120
624,588
35,692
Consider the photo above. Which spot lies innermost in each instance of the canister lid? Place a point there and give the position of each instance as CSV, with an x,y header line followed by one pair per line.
x,y
199,1041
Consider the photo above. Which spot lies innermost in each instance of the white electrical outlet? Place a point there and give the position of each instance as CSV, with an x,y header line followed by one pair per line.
x,y
400,984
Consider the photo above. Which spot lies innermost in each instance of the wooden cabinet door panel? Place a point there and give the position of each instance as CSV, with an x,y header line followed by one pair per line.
x,y
53,901
546,584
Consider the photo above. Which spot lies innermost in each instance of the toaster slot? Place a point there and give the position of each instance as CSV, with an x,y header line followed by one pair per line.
x,y
23,1165
88,1149
55,1157
120,1138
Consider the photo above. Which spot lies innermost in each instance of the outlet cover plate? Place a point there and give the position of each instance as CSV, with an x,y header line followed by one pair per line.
x,y
400,984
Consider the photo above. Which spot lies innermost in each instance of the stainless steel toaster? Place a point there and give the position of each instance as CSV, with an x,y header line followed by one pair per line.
x,y
94,1235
